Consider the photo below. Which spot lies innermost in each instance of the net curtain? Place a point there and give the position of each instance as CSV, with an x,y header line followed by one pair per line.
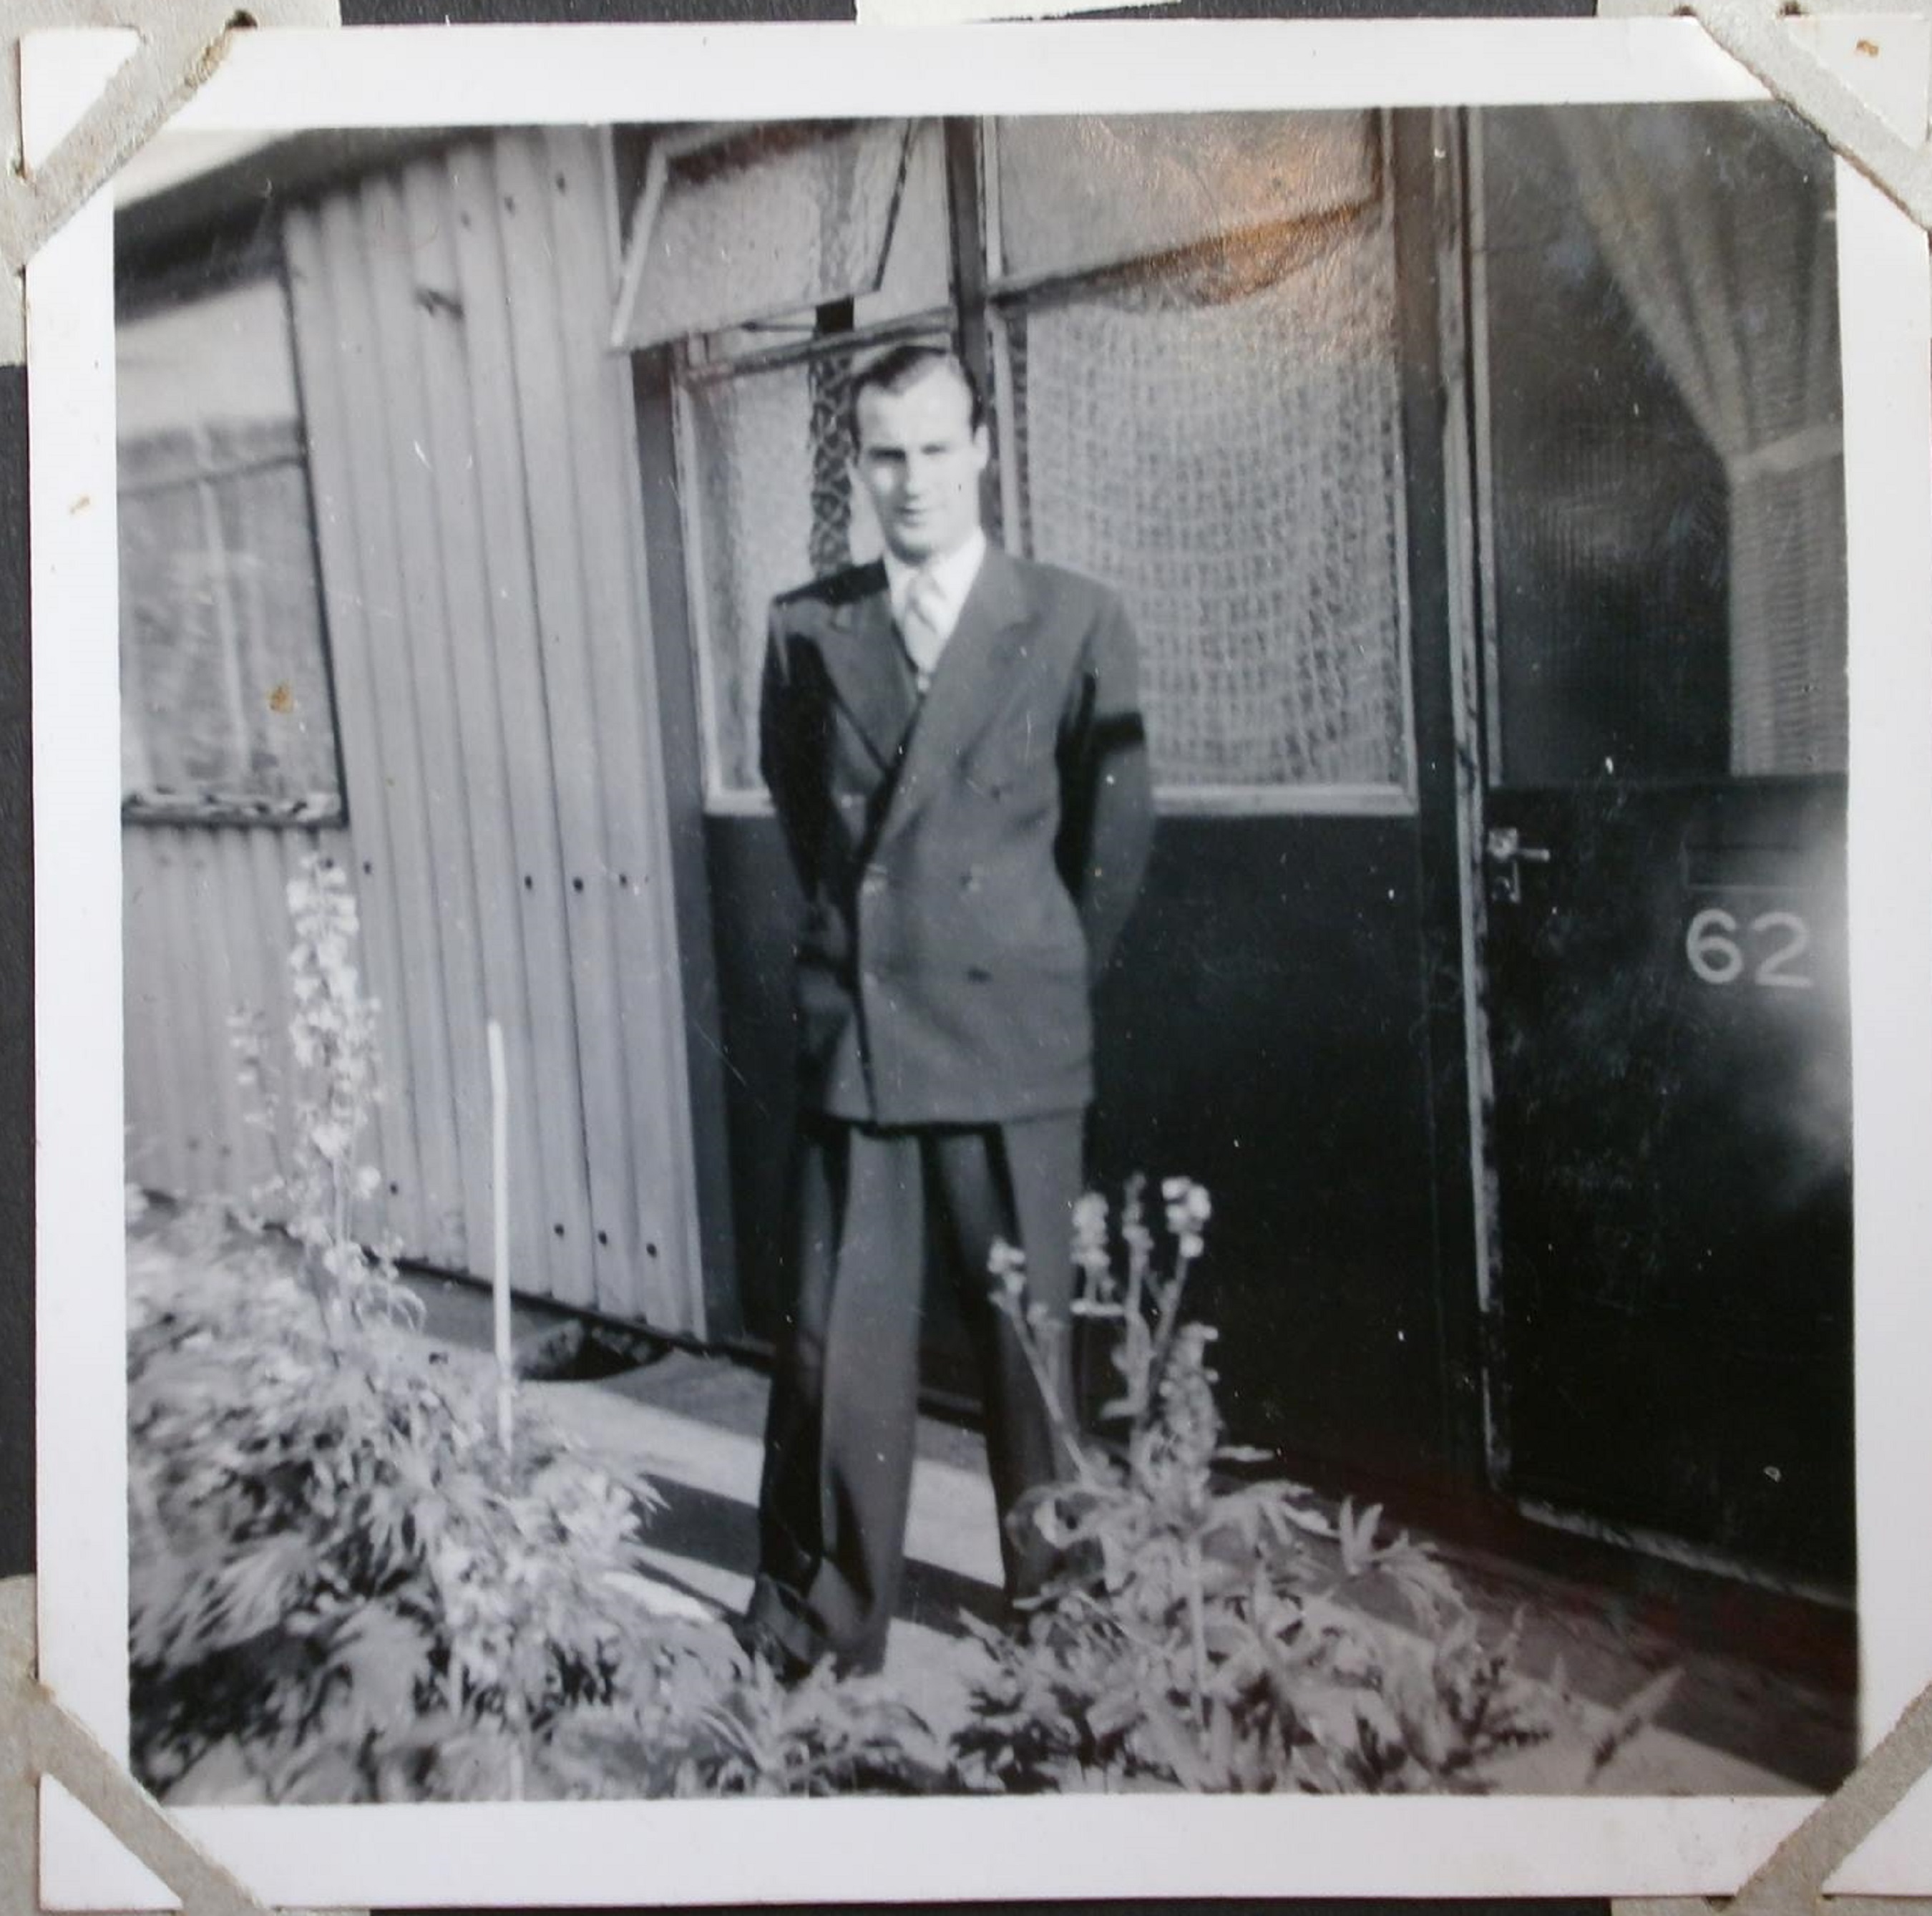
x,y
1721,246
1221,442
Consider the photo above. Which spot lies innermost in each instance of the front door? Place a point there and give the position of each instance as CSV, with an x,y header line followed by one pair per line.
x,y
1659,837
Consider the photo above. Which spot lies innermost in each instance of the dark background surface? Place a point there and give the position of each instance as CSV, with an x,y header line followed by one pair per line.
x,y
17,1063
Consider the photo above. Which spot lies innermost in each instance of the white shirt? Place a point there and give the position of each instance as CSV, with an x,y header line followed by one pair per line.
x,y
951,578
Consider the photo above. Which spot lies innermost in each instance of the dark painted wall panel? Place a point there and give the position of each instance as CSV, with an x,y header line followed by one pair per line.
x,y
754,903
1260,1034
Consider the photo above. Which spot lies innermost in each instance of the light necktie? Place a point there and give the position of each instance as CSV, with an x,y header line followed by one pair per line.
x,y
920,629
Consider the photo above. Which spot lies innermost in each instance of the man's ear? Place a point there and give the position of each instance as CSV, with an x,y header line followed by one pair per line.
x,y
982,447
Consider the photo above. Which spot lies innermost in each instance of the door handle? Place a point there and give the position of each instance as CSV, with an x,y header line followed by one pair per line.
x,y
1505,854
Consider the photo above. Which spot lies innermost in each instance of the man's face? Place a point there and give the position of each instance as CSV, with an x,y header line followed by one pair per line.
x,y
919,459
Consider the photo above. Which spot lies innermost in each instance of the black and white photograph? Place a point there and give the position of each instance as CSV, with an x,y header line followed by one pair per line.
x,y
969,955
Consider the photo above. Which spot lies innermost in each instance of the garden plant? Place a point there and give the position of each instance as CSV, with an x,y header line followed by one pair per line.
x,y
1210,1633
345,1587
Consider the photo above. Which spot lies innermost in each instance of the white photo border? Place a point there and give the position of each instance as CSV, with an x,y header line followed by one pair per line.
x,y
864,1850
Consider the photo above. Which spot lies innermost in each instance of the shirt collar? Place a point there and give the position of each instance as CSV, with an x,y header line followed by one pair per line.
x,y
953,576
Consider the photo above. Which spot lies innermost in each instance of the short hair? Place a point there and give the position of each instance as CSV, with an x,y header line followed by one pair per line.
x,y
906,364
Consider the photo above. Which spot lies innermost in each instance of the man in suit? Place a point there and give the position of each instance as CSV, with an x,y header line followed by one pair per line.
x,y
955,751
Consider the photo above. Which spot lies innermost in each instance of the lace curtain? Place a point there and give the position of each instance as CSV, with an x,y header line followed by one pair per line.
x,y
1220,441
1738,294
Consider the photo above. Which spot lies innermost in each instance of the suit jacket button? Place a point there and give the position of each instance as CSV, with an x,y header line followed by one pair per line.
x,y
874,882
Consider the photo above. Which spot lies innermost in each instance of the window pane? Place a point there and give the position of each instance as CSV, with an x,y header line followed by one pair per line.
x,y
269,557
919,262
1222,444
1079,193
774,221
178,714
1669,590
918,277
776,507
226,700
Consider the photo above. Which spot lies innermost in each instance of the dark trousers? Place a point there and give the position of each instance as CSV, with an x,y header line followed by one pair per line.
x,y
872,1212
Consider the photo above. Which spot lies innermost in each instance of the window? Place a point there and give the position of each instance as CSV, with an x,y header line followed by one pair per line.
x,y
768,501
1668,602
1189,325
1215,431
738,224
225,707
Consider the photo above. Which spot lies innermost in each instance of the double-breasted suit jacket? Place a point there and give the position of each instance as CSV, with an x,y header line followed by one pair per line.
x,y
967,858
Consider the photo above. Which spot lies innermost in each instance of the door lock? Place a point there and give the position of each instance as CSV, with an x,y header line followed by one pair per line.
x,y
1506,854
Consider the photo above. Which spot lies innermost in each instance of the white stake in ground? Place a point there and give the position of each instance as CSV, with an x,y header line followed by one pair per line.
x,y
499,1191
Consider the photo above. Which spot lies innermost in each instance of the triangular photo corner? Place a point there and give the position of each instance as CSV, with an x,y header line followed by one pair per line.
x,y
1896,1859
1884,60
64,70
85,1865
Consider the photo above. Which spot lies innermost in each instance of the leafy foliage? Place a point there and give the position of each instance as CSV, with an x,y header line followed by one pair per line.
x,y
336,1566
718,1722
342,1591
1217,1635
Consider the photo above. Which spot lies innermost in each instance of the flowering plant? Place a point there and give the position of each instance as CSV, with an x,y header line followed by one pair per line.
x,y
1212,1634
332,1094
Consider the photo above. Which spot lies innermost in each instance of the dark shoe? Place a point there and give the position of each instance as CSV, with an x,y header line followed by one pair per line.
x,y
763,1644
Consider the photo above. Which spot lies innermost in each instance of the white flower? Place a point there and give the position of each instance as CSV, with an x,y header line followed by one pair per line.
x,y
1188,1208
1007,1263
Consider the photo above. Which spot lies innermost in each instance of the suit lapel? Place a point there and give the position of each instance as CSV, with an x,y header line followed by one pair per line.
x,y
863,663
972,673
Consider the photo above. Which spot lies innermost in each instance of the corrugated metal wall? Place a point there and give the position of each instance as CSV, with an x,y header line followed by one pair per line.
x,y
476,494
205,935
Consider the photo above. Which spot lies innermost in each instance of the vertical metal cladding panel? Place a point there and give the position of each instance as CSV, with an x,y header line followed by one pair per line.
x,y
336,352
465,435
257,942
206,937
655,1053
333,354
156,1121
475,493
195,1053
435,525
477,431
554,208
407,894
422,674
221,922
272,858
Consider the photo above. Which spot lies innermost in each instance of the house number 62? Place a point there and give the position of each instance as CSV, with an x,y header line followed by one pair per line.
x,y
1779,939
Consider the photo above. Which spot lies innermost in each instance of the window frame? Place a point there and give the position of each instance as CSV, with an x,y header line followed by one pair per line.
x,y
232,257
976,319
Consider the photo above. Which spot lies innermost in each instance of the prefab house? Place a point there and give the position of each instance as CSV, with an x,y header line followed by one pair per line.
x,y
1474,483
